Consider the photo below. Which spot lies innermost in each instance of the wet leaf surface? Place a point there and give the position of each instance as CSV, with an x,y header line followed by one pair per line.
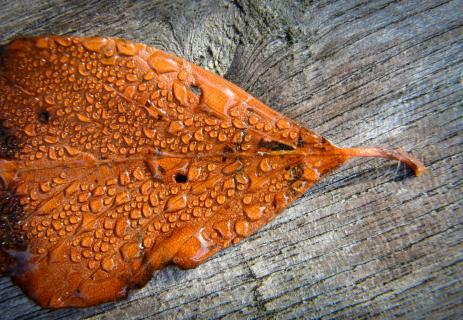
x,y
120,159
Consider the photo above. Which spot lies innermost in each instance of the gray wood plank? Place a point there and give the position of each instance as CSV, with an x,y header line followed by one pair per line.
x,y
369,241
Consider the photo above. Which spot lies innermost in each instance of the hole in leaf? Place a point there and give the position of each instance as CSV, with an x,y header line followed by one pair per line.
x,y
180,178
274,145
196,90
44,116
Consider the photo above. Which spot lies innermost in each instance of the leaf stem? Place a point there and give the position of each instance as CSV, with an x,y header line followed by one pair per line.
x,y
397,154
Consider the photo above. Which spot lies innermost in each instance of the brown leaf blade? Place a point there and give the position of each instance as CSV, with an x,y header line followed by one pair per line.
x,y
122,159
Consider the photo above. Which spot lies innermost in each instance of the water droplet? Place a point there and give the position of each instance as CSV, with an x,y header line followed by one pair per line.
x,y
122,198
254,212
139,174
146,210
145,187
247,199
42,43
162,62
221,199
149,133
175,126
176,203
265,165
194,172
86,242
96,205
94,44
242,228
149,75
126,48
120,228
45,186
232,168
135,214
180,92
283,124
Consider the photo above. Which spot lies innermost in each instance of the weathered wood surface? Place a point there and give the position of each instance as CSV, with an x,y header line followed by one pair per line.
x,y
368,241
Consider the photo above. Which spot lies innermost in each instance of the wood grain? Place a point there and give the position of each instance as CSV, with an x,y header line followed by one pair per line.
x,y
370,240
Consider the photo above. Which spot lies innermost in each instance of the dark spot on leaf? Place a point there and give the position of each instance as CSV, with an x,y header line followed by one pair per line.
x,y
9,143
228,149
44,116
11,236
274,145
196,90
226,152
180,178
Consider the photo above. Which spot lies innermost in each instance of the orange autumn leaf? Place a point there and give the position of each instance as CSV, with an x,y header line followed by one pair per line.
x,y
118,159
